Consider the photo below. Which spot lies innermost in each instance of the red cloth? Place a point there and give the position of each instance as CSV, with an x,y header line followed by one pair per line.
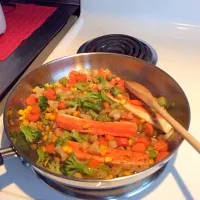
x,y
21,22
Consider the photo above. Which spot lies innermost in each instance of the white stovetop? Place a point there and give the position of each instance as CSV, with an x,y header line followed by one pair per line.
x,y
176,39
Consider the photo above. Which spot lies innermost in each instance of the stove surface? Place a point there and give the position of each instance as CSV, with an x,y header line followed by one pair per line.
x,y
120,44
175,37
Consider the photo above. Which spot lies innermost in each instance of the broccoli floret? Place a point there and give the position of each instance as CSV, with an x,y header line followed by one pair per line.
x,y
93,106
91,96
73,165
31,135
42,156
76,136
115,91
54,166
43,102
81,86
63,81
103,118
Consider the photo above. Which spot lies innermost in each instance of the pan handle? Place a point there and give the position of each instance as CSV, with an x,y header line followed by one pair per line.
x,y
6,153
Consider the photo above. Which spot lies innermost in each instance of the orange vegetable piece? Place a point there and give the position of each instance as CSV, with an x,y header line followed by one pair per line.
x,y
49,94
121,141
93,163
33,117
161,156
139,147
144,140
50,148
118,129
103,141
109,137
81,77
149,129
35,109
161,145
31,100
61,105
136,102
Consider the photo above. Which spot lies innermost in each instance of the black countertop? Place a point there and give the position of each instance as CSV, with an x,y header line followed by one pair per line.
x,y
14,66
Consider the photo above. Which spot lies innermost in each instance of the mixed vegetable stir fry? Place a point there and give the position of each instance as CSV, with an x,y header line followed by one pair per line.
x,y
88,126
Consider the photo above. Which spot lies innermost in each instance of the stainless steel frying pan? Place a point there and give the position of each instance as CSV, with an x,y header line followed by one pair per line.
x,y
128,68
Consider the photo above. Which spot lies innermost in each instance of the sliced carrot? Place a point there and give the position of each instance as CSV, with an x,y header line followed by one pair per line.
x,y
103,141
93,163
161,145
61,105
49,94
136,102
81,77
33,118
144,140
50,148
139,147
118,156
35,109
109,137
149,129
119,129
161,156
31,100
121,141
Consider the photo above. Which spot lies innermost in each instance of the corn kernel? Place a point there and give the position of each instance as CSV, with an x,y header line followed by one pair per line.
x,y
22,118
151,162
45,137
85,92
52,117
56,110
25,122
58,84
54,138
117,79
47,128
85,126
49,109
43,148
46,85
126,173
123,101
29,108
91,85
142,120
21,112
47,115
110,176
26,111
67,149
107,71
103,149
34,90
130,142
76,113
119,96
108,159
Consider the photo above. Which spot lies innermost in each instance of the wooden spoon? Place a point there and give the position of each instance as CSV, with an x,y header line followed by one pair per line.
x,y
145,95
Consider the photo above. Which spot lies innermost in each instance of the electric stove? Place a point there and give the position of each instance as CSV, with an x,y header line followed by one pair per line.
x,y
167,35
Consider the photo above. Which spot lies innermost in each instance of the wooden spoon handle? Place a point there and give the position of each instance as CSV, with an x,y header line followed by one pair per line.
x,y
178,127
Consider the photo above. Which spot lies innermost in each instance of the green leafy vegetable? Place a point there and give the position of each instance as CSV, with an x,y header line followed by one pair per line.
x,y
92,106
162,101
152,152
64,81
115,91
43,102
73,165
81,86
31,135
42,156
93,114
74,103
76,136
104,97
104,118
62,140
